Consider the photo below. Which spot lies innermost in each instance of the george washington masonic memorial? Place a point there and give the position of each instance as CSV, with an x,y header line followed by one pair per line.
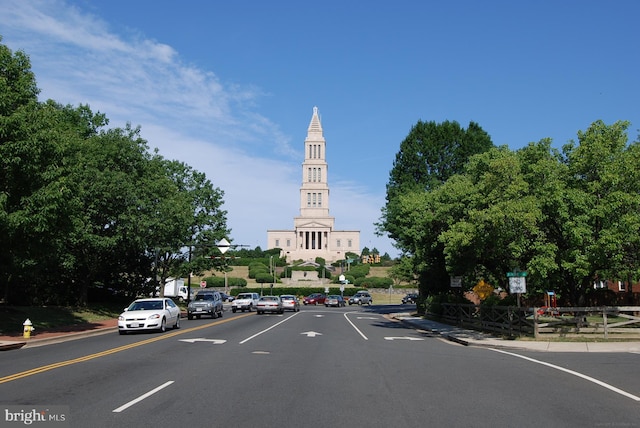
x,y
313,234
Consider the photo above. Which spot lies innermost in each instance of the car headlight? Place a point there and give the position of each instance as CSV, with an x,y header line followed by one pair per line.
x,y
154,316
120,318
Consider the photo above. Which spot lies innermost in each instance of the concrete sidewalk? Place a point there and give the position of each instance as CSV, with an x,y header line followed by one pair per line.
x,y
469,337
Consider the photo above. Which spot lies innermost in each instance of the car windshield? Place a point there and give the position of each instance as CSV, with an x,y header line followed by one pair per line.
x,y
146,306
204,297
272,298
243,296
286,297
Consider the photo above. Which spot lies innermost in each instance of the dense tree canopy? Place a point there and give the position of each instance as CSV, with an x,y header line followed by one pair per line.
x,y
429,156
567,217
84,207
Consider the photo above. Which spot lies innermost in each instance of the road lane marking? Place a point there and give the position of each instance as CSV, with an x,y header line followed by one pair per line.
x,y
402,338
312,333
574,373
43,369
142,397
267,329
354,326
201,339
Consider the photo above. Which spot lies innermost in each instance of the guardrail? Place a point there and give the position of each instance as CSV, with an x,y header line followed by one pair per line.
x,y
618,321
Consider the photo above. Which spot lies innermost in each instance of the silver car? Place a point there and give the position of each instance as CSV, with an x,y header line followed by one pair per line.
x,y
361,298
334,300
290,302
205,303
269,304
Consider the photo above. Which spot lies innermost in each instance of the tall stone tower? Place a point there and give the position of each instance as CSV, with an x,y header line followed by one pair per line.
x,y
313,235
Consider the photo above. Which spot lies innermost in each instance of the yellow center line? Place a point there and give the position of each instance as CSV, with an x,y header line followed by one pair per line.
x,y
43,369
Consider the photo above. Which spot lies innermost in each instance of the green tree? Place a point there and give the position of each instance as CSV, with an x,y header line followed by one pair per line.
x,y
82,206
402,271
428,157
604,201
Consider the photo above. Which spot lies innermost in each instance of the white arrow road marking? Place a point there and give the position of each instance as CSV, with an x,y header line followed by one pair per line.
x,y
312,333
200,339
318,316
402,338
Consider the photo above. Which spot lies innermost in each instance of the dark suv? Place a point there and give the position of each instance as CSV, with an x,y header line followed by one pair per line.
x,y
205,303
410,298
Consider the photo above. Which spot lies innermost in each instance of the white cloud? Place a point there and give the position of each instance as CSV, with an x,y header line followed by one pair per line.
x,y
184,111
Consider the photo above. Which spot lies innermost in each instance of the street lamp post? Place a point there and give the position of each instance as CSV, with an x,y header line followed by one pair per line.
x,y
223,245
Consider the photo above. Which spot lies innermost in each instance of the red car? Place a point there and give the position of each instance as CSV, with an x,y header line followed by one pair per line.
x,y
314,299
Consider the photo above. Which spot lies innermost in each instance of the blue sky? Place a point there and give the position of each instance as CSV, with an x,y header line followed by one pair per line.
x,y
229,86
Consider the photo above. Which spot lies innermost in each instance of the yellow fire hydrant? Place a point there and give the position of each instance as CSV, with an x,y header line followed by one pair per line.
x,y
28,328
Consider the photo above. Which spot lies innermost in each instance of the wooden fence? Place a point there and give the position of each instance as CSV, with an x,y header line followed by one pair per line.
x,y
605,321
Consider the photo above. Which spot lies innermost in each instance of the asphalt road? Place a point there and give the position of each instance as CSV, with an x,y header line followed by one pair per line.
x,y
321,367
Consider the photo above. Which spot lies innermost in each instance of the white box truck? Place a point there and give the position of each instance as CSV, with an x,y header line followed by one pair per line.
x,y
175,288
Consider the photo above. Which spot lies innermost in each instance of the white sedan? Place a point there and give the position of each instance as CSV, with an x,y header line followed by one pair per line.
x,y
149,314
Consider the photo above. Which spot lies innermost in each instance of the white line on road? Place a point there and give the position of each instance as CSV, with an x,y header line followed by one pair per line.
x,y
142,397
266,330
571,372
354,326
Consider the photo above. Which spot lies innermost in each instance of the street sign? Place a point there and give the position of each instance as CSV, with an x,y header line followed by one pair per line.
x,y
223,245
456,281
516,274
203,284
517,284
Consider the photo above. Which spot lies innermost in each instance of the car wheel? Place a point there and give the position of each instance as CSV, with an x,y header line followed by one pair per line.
x,y
198,316
122,332
177,324
220,313
214,314
163,325
370,302
233,310
189,316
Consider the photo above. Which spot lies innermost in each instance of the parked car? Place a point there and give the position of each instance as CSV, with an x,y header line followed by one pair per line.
x,y
410,298
226,297
149,314
290,302
245,302
314,299
361,298
269,304
334,300
205,303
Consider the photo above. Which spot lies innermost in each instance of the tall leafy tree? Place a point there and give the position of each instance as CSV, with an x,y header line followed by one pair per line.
x,y
604,207
85,207
204,225
428,157
34,193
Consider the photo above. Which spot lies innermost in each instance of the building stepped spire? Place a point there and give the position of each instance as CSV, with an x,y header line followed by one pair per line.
x,y
315,127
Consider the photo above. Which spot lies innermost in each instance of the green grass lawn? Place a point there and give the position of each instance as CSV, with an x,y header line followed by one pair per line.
x,y
49,317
